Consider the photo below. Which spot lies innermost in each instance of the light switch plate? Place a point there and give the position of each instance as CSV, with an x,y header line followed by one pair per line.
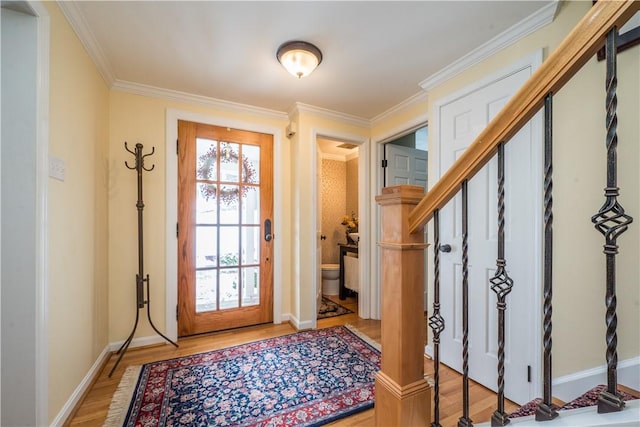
x,y
56,168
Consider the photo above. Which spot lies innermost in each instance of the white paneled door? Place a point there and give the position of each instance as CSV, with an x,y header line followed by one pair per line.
x,y
459,121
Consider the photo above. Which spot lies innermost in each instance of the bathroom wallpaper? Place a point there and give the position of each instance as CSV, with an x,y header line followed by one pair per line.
x,y
334,197
352,186
339,198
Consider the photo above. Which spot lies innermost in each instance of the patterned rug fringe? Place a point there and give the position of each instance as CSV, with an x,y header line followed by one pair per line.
x,y
122,397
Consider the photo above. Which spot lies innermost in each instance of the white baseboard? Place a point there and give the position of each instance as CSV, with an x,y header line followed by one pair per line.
x,y
568,387
82,388
297,323
139,342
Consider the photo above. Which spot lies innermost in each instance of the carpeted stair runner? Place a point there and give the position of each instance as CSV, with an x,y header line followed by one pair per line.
x,y
589,398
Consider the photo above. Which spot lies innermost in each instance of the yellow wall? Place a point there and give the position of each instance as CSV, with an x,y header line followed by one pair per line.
x,y
303,188
579,176
136,118
77,307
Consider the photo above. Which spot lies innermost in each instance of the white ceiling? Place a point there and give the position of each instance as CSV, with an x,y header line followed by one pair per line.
x,y
376,53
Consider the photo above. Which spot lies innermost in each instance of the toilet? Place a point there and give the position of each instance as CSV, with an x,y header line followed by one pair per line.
x,y
330,279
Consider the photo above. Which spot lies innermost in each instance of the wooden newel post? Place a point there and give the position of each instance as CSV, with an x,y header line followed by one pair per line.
x,y
403,396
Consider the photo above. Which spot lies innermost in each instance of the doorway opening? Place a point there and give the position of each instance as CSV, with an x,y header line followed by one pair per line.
x,y
338,214
405,161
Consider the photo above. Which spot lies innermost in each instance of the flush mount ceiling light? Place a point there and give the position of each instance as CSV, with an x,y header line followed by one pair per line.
x,y
299,58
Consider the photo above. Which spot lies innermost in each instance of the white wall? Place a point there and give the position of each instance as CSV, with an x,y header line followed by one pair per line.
x,y
18,180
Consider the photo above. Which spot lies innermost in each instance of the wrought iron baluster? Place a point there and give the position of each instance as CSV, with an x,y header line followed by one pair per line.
x,y
464,420
611,221
501,284
436,322
546,410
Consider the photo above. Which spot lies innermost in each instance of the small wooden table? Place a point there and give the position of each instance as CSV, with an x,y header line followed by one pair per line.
x,y
344,248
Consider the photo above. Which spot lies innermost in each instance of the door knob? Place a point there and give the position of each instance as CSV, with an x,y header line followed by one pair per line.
x,y
444,248
323,237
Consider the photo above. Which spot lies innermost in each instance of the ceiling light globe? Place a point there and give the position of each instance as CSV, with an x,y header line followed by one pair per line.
x,y
299,58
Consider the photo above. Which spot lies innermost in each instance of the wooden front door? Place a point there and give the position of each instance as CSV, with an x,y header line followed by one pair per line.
x,y
225,212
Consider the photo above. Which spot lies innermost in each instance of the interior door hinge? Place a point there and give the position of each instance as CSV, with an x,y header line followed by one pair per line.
x,y
177,229
384,163
176,312
177,152
529,373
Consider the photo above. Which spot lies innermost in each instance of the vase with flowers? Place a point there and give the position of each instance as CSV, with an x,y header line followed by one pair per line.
x,y
351,226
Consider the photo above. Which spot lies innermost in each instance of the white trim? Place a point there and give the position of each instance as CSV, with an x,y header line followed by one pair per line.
x,y
376,180
171,203
42,181
531,61
365,293
137,342
418,98
329,114
301,325
76,20
404,129
192,99
78,394
532,23
568,387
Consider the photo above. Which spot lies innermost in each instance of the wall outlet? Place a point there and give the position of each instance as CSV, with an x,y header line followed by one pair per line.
x,y
56,168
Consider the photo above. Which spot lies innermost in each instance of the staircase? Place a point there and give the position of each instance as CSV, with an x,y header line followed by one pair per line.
x,y
403,396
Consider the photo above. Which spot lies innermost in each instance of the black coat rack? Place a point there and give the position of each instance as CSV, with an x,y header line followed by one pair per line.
x,y
140,278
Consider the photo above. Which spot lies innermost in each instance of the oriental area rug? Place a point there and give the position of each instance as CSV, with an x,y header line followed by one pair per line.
x,y
329,308
304,379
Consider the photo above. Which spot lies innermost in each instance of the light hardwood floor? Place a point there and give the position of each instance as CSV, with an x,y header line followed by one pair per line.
x,y
95,405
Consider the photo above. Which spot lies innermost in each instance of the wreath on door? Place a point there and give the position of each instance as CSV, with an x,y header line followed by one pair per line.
x,y
227,194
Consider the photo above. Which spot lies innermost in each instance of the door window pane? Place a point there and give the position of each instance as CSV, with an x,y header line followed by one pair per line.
x,y
206,290
229,282
250,286
206,206
250,205
206,246
229,162
229,246
206,165
251,164
229,204
250,245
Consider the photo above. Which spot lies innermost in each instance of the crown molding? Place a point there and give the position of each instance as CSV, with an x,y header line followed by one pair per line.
x,y
418,98
71,11
299,107
178,96
532,23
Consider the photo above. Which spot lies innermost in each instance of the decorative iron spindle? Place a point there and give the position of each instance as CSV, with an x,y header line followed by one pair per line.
x,y
436,322
611,221
501,284
546,410
464,420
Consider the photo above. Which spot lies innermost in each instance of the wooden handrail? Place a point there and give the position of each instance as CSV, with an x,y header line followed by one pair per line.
x,y
576,49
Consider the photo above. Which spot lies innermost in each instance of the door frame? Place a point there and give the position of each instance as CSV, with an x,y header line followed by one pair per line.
x,y
41,112
367,295
171,207
532,61
377,177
